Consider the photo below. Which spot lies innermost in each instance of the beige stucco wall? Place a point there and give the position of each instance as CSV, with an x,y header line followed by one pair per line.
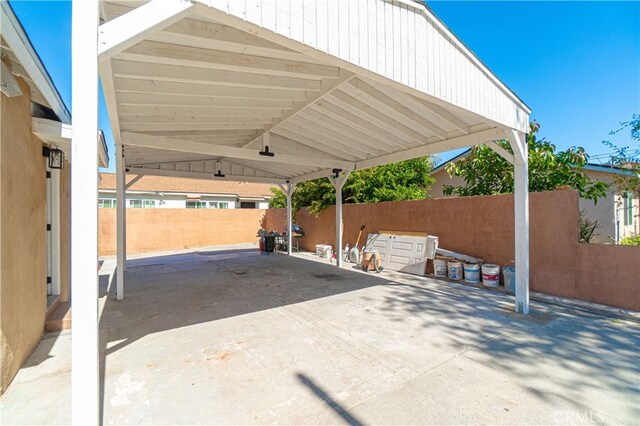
x,y
22,236
442,178
608,210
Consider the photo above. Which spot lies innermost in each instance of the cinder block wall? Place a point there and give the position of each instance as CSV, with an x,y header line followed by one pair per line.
x,y
150,230
484,227
22,236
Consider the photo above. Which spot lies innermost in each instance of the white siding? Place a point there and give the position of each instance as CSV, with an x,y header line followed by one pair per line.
x,y
396,39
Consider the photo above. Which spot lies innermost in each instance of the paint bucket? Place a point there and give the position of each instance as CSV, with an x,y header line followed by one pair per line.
x,y
509,272
490,275
455,269
440,267
472,273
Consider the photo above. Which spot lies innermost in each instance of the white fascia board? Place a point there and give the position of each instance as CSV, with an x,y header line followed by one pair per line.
x,y
103,157
59,134
251,198
20,45
125,31
51,131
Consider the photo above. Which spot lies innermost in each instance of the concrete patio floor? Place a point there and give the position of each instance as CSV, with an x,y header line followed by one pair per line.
x,y
233,337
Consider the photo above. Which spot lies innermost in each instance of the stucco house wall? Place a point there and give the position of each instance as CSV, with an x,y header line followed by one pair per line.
x,y
442,178
22,240
23,237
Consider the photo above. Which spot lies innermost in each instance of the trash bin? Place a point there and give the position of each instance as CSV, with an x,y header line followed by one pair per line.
x,y
268,243
509,272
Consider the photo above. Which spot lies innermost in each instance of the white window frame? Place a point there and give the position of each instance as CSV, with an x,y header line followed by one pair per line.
x,y
197,204
144,204
627,208
112,203
218,205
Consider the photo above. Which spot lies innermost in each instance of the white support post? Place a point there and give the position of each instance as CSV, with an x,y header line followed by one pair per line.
x,y
521,207
84,215
290,187
338,182
120,223
124,214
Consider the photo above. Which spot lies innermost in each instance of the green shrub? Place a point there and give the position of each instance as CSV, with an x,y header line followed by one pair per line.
x,y
632,240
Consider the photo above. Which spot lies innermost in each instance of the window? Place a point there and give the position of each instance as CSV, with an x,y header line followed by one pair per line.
x,y
247,205
142,204
107,203
218,205
627,208
196,205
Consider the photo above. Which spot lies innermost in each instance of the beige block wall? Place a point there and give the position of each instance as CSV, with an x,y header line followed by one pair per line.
x,y
22,236
152,230
484,227
602,211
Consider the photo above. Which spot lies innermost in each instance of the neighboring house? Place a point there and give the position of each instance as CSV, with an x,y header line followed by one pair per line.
x,y
35,198
618,215
178,193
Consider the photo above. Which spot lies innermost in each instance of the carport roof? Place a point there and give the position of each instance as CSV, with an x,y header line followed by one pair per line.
x,y
196,88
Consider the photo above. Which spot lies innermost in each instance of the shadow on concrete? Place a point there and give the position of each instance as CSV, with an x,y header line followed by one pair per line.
x,y
175,291
574,350
329,401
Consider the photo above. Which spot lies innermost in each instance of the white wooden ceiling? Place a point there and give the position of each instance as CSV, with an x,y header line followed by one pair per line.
x,y
198,96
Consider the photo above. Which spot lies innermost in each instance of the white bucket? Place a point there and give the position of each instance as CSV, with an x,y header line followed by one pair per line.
x,y
455,270
509,273
472,273
440,267
490,275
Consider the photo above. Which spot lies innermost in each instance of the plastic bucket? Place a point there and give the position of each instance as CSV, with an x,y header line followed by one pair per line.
x,y
472,273
455,270
490,275
509,273
440,267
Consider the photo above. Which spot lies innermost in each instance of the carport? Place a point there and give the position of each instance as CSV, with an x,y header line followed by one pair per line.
x,y
269,91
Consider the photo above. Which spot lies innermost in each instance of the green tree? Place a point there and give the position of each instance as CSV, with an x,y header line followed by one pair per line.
x,y
485,172
405,180
627,157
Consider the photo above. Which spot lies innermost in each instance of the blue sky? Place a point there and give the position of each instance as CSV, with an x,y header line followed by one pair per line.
x,y
576,64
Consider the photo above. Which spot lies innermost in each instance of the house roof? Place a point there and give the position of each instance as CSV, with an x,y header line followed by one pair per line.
x,y
186,185
25,62
454,159
608,168
605,168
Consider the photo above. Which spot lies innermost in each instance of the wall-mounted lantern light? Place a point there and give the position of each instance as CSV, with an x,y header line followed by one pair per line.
x,y
55,156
